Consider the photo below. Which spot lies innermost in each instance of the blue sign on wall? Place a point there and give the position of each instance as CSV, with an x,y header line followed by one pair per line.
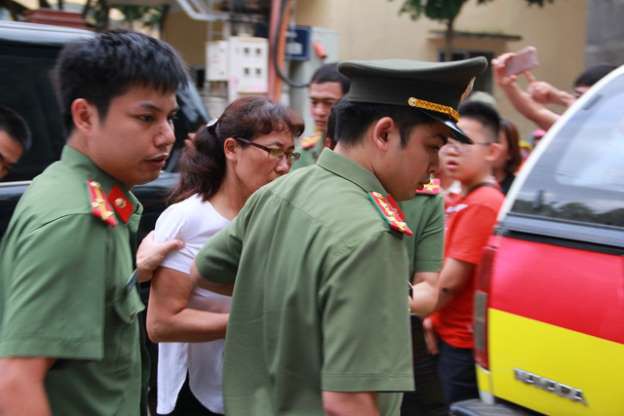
x,y
298,43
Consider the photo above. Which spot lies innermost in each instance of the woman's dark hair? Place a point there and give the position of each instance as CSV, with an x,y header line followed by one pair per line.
x,y
202,164
513,145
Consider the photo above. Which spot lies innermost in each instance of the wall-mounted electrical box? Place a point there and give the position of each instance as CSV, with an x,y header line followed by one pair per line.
x,y
241,62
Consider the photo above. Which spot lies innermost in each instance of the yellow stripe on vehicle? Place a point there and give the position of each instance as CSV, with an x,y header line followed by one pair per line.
x,y
484,379
549,369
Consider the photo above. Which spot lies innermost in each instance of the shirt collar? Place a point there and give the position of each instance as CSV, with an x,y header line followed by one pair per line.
x,y
350,170
80,161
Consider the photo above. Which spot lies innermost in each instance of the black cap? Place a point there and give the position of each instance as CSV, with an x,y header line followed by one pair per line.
x,y
434,88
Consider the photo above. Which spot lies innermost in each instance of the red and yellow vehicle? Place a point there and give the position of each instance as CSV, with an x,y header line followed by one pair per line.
x,y
549,305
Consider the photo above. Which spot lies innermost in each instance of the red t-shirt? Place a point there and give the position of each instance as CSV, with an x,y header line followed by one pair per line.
x,y
471,220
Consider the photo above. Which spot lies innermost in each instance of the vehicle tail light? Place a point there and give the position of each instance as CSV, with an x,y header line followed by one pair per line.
x,y
481,303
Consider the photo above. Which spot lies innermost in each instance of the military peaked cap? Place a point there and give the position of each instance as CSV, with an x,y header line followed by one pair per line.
x,y
434,88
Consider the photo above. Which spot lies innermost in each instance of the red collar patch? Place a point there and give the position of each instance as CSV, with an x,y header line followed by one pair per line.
x,y
121,204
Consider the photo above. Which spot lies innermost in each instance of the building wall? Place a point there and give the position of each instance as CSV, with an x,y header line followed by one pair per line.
x,y
188,36
372,29
605,32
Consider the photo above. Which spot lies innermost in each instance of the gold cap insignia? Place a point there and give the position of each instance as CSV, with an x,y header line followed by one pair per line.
x,y
438,108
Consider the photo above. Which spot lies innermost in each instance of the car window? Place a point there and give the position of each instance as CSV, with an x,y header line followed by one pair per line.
x,y
26,85
580,176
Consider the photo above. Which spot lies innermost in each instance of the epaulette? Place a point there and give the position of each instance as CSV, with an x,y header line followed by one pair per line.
x,y
431,188
310,141
105,206
390,212
100,207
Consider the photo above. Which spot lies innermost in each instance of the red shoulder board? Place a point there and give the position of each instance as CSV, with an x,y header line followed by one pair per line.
x,y
100,207
390,212
122,206
431,188
310,141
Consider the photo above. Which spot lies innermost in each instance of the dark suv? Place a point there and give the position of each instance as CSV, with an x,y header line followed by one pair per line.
x,y
27,55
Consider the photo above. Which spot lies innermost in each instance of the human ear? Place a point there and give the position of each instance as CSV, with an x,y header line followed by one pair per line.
x,y
84,115
494,152
381,133
231,148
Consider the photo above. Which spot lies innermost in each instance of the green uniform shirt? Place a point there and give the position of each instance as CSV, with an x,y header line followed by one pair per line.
x,y
320,301
424,214
310,154
65,294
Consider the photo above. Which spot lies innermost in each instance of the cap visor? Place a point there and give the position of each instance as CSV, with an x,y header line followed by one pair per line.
x,y
454,130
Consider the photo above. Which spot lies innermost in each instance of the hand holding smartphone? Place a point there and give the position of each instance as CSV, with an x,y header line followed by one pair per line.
x,y
521,61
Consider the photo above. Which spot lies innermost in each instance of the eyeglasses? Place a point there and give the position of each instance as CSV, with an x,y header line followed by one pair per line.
x,y
461,147
274,152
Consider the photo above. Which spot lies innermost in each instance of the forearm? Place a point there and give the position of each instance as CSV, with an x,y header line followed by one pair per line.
x,y
348,404
424,299
169,317
424,293
22,400
21,393
454,276
523,103
563,98
187,325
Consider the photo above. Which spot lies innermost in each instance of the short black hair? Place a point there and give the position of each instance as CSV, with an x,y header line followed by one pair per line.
x,y
105,66
353,118
15,127
593,74
484,113
329,73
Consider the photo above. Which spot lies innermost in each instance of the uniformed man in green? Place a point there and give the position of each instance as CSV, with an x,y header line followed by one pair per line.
x,y
327,87
319,321
69,334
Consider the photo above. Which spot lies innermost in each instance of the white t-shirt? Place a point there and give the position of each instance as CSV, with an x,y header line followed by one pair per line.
x,y
192,221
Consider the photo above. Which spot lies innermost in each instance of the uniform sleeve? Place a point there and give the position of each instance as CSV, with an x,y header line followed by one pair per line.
x,y
472,229
55,296
218,260
429,248
363,303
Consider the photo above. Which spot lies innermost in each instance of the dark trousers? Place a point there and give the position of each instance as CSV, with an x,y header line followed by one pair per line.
x,y
188,405
427,399
456,368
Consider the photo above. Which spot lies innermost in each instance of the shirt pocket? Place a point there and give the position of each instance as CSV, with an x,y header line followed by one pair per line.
x,y
124,327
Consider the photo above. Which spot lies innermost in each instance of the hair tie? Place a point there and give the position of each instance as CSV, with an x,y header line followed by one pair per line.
x,y
211,126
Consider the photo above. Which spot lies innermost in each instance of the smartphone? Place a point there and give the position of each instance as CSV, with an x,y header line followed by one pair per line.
x,y
522,60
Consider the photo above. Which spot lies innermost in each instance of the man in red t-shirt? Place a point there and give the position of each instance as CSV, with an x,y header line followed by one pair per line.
x,y
471,219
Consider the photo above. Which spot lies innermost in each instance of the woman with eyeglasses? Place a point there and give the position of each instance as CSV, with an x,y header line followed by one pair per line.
x,y
250,145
